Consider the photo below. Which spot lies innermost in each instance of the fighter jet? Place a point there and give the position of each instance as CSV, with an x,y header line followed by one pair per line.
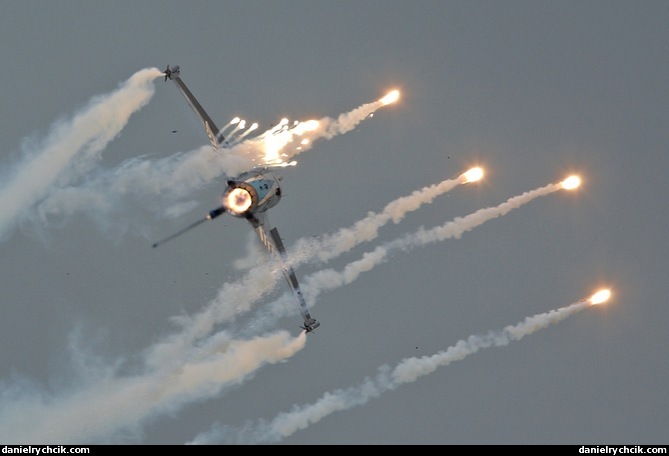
x,y
248,196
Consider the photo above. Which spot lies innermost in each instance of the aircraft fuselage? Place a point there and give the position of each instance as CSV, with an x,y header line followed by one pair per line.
x,y
251,193
248,195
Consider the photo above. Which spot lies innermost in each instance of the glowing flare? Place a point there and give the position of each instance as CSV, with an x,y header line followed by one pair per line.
x,y
310,125
273,145
392,97
600,297
303,127
472,175
235,120
571,182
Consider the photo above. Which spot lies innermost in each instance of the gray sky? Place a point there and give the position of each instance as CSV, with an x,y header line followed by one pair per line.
x,y
106,340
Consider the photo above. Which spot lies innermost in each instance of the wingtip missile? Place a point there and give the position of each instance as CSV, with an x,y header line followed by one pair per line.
x,y
310,324
171,71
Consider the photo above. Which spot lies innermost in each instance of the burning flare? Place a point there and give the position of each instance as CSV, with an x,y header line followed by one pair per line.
x,y
600,297
472,175
571,182
392,97
309,125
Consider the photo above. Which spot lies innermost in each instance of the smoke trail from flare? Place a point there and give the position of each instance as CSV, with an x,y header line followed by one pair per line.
x,y
175,372
386,379
160,183
28,416
262,278
329,279
156,183
248,131
272,146
366,229
330,246
83,137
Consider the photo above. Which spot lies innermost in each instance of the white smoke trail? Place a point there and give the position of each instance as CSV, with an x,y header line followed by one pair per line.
x,y
272,146
329,279
386,379
156,183
162,388
331,246
262,278
83,137
255,253
130,401
238,297
108,407
176,372
88,133
231,136
162,183
247,132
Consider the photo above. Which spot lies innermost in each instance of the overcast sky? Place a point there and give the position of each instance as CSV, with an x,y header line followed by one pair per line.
x,y
450,313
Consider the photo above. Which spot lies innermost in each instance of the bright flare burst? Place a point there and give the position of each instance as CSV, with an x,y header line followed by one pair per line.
x,y
307,126
571,182
472,175
392,97
600,297
281,135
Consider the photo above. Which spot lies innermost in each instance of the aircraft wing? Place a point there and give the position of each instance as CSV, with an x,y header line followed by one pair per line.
x,y
217,140
274,244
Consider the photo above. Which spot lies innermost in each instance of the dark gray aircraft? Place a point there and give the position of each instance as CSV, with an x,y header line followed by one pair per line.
x,y
247,196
